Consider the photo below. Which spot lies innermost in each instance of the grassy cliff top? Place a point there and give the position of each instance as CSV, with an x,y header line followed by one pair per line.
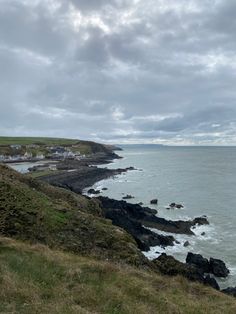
x,y
4,140
36,279
85,147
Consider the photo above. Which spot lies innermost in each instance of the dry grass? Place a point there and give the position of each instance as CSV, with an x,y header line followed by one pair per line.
x,y
35,279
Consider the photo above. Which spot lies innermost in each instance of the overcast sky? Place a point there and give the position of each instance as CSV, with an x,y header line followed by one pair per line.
x,y
122,71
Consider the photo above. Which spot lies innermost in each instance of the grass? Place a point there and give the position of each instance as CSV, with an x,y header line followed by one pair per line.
x,y
74,261
35,211
36,140
35,279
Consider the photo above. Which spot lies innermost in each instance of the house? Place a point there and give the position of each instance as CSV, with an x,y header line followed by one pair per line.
x,y
2,157
15,146
28,155
40,156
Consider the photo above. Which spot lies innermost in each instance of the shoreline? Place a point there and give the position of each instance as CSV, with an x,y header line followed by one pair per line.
x,y
80,175
133,218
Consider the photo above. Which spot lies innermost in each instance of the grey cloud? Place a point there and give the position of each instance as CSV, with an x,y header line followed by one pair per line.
x,y
102,70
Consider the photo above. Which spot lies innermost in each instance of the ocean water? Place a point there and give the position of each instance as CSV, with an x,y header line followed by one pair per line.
x,y
201,178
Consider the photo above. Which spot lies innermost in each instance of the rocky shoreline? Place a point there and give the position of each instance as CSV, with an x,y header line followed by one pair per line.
x,y
137,220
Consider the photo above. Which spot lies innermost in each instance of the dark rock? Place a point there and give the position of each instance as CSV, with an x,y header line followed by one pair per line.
x,y
144,238
128,197
218,268
141,204
154,202
104,189
92,191
230,291
177,242
210,281
201,221
168,265
203,233
147,216
199,261
174,205
186,244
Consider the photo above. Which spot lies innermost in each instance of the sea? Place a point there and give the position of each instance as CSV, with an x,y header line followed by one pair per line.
x,y
203,179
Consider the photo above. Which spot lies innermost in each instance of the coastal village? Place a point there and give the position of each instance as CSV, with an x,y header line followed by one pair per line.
x,y
31,153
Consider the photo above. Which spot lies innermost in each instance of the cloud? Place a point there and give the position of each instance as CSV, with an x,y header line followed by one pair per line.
x,y
119,71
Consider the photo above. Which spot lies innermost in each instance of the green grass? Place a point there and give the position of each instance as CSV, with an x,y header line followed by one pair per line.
x,y
35,211
35,279
36,140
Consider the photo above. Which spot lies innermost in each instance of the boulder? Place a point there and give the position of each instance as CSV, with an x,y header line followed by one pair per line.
x,y
218,268
127,197
92,191
168,265
174,205
186,243
154,201
201,221
210,281
104,189
199,261
230,291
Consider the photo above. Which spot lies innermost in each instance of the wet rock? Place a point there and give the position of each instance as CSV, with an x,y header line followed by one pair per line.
x,y
199,261
154,202
104,189
203,233
92,191
211,281
201,221
230,291
218,268
148,218
141,204
128,197
186,243
174,205
144,238
168,265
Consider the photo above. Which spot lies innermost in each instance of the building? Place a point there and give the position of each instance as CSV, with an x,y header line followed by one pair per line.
x,y
15,146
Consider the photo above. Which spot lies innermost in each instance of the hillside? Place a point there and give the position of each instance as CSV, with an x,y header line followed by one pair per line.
x,y
41,144
58,255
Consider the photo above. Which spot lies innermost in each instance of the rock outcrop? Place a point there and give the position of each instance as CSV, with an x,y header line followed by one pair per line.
x,y
212,266
147,217
168,265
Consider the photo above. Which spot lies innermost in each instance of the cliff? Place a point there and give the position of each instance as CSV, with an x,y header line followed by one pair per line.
x,y
59,255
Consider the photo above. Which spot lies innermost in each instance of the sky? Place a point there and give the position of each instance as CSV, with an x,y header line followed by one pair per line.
x,y
119,71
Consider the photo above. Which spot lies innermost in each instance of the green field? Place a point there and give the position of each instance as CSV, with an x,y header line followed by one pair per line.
x,y
36,140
